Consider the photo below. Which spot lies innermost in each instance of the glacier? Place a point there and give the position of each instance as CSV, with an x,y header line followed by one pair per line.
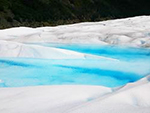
x,y
87,67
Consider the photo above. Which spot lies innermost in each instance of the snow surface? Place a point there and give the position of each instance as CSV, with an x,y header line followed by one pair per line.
x,y
131,98
14,49
131,31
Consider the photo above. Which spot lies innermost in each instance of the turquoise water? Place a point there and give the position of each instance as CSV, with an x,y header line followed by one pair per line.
x,y
131,64
119,52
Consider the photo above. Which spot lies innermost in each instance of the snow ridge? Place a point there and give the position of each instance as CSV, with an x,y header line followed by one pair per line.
x,y
130,31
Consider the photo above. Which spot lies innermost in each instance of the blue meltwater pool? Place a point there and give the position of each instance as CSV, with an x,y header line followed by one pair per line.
x,y
126,65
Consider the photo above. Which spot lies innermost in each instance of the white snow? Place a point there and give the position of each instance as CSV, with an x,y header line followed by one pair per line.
x,y
130,31
131,98
17,32
15,49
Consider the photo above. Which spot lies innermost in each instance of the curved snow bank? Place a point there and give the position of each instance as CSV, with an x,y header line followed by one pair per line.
x,y
130,31
133,98
47,99
14,49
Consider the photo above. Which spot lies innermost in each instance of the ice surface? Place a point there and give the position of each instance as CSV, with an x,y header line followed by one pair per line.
x,y
70,59
132,98
13,49
130,31
103,71
111,51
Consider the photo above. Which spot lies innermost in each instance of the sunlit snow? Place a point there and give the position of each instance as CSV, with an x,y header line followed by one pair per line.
x,y
97,67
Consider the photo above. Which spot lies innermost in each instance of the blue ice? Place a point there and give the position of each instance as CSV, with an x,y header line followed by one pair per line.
x,y
131,65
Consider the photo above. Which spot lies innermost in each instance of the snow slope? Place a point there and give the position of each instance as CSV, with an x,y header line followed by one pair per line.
x,y
14,49
131,98
130,31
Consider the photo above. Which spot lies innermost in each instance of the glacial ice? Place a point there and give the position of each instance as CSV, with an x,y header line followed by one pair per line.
x,y
86,67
